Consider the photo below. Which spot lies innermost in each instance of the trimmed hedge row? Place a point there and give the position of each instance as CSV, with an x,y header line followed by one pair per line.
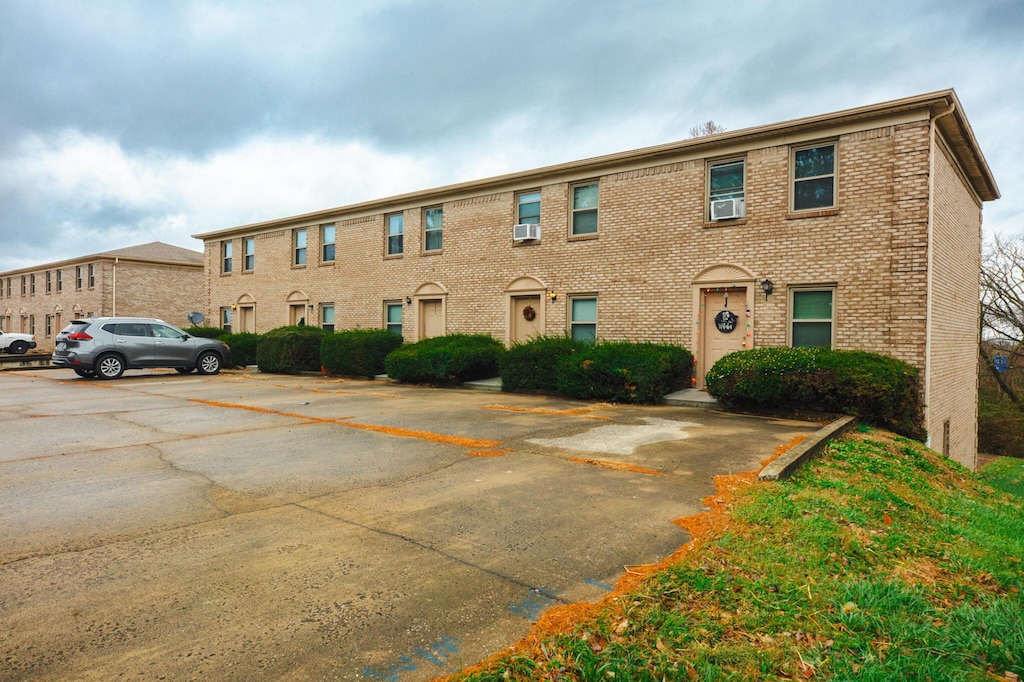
x,y
290,350
358,352
878,389
243,347
454,358
625,371
532,365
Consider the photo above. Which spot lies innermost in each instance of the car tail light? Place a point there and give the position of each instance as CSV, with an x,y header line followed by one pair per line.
x,y
79,336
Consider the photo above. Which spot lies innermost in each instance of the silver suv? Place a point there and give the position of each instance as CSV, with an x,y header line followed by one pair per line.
x,y
105,347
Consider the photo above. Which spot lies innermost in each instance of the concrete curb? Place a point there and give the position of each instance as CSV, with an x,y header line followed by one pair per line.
x,y
791,460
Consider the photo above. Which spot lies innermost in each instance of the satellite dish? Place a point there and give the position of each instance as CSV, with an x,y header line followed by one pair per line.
x,y
195,318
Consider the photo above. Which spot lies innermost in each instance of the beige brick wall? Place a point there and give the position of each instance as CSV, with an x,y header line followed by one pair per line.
x,y
953,344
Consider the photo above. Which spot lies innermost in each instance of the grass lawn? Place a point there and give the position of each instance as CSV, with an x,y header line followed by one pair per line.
x,y
880,560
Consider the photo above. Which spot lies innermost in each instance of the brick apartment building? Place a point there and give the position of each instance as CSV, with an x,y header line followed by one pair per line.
x,y
149,280
859,229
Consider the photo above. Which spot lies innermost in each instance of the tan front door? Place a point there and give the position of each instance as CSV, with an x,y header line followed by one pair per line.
x,y
722,309
246,318
297,314
525,324
431,318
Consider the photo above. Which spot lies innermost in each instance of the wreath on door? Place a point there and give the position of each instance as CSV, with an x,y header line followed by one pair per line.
x,y
529,313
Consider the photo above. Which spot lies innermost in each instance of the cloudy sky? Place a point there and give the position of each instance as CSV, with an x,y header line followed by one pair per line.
x,y
128,122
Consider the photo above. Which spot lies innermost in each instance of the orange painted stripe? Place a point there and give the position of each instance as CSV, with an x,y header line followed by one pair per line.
x,y
488,453
543,410
621,466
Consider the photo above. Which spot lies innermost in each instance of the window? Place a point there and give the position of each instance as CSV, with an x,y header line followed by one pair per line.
x,y
299,247
812,315
249,253
78,278
226,257
49,325
32,284
32,324
725,180
49,282
433,220
584,209
528,208
327,236
814,177
23,285
584,319
225,319
327,316
8,287
92,275
60,281
396,226
393,317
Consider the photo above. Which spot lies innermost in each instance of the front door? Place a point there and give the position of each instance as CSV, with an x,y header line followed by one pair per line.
x,y
431,318
247,318
724,323
525,318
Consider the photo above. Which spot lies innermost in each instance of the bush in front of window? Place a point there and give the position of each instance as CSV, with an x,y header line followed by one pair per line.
x,y
531,365
243,347
875,388
450,359
290,350
205,332
357,352
625,371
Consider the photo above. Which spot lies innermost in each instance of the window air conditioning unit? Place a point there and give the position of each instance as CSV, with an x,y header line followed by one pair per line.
x,y
727,209
525,233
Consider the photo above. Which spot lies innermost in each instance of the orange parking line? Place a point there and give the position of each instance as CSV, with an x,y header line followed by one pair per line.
x,y
621,466
545,410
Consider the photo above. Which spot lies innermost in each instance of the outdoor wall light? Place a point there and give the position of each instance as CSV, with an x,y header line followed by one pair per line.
x,y
767,286
408,301
553,296
311,307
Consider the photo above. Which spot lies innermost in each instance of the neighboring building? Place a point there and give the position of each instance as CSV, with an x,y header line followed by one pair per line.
x,y
150,280
859,229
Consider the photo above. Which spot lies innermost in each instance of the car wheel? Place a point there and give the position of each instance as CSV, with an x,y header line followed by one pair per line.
x,y
18,347
85,373
109,366
183,370
208,363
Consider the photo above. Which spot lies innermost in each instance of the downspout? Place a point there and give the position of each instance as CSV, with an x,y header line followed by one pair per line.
x,y
114,296
930,280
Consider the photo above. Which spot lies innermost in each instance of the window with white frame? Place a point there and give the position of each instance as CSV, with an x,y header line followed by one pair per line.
x,y
49,282
92,275
583,318
584,208
327,316
726,184
226,257
299,246
393,317
225,319
78,278
433,229
814,177
249,253
32,284
395,230
49,325
812,317
327,237
23,289
528,208
60,281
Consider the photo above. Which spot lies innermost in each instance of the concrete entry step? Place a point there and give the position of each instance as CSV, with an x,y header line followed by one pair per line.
x,y
492,384
691,397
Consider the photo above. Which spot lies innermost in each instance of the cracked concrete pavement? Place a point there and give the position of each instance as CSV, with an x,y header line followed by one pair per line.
x,y
258,526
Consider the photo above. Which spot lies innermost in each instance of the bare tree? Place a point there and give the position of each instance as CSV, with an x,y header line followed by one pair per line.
x,y
1002,307
709,127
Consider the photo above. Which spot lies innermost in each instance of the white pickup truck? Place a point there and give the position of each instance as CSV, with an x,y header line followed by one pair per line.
x,y
16,343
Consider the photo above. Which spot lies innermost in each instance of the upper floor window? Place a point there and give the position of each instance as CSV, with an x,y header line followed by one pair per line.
x,y
814,177
78,277
32,284
60,281
433,223
327,316
23,289
227,250
725,190
249,253
393,317
812,317
327,236
584,209
299,247
8,287
92,275
49,282
396,228
528,208
583,318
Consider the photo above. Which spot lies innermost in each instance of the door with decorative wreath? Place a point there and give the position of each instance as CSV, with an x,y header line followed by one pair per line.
x,y
525,318
725,322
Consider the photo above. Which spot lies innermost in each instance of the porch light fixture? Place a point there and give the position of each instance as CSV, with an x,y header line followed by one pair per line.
x,y
767,286
408,301
553,296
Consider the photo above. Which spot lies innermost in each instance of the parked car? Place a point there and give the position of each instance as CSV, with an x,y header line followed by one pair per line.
x,y
16,343
105,347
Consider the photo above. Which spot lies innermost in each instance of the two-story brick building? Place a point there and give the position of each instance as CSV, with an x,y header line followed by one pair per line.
x,y
859,229
149,280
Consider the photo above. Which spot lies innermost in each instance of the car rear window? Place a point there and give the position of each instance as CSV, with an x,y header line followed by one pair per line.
x,y
75,327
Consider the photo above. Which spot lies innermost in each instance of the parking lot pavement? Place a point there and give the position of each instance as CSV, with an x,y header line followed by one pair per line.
x,y
250,525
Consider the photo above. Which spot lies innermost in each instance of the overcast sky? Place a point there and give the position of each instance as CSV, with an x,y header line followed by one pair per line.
x,y
128,122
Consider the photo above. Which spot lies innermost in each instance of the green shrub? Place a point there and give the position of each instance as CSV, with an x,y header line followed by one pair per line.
x,y
454,358
1000,427
878,389
205,332
624,371
243,347
290,350
358,352
531,365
